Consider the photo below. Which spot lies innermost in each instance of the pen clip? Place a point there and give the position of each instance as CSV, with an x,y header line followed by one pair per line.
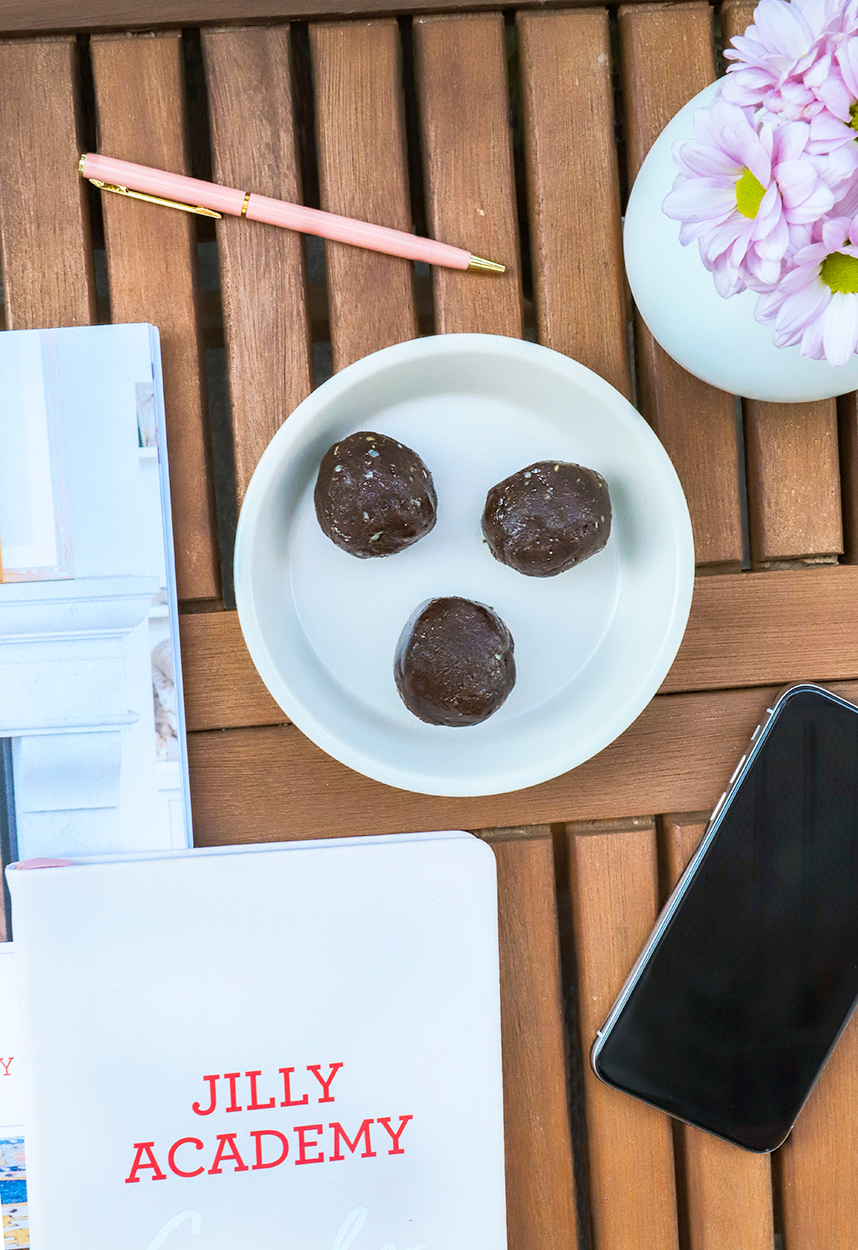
x,y
154,199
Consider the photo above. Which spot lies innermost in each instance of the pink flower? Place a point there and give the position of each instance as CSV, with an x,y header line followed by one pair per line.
x,y
747,196
816,304
792,65
774,57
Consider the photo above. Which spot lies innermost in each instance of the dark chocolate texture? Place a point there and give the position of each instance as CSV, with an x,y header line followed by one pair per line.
x,y
374,496
454,662
547,518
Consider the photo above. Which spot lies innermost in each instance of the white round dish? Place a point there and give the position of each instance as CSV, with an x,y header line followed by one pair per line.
x,y
592,645
718,340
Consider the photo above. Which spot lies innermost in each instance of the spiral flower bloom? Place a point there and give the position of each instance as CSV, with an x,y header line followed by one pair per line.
x,y
816,304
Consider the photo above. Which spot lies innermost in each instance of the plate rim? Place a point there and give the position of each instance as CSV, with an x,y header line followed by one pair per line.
x,y
482,782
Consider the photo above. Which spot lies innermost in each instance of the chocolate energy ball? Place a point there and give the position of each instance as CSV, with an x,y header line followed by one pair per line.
x,y
454,663
374,496
547,518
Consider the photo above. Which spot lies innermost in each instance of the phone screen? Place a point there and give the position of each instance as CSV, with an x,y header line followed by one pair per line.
x,y
734,1011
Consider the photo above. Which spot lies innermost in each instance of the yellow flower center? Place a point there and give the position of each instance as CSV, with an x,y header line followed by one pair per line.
x,y
853,115
749,194
840,272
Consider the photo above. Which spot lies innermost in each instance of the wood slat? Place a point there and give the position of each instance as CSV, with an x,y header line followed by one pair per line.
x,y
728,1191
259,784
819,1163
363,173
613,882
152,267
667,57
45,250
736,16
537,1140
263,271
22,16
791,453
470,196
793,474
573,190
765,628
222,688
742,631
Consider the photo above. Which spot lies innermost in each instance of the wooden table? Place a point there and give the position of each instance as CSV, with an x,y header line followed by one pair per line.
x,y
515,134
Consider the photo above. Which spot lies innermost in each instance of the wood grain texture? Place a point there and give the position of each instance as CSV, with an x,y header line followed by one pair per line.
x,y
743,631
222,688
667,57
272,782
45,251
263,271
573,190
363,173
736,16
793,475
758,628
728,1191
819,1162
23,16
537,1139
614,888
467,155
152,268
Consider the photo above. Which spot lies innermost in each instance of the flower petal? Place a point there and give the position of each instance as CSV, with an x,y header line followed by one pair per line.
x,y
698,199
840,328
799,309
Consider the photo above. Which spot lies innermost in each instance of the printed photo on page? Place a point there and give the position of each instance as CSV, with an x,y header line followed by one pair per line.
x,y
92,733
13,1171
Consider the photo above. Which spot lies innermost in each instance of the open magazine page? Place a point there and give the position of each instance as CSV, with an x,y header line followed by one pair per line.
x,y
93,756
13,1172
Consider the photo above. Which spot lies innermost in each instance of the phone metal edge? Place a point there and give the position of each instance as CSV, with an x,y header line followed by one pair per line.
x,y
681,888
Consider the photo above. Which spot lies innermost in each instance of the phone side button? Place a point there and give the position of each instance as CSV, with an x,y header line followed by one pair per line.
x,y
718,807
738,769
755,734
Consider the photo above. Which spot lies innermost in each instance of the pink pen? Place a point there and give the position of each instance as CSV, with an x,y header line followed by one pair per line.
x,y
191,195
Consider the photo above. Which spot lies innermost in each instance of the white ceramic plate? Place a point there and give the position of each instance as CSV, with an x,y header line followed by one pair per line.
x,y
591,645
718,340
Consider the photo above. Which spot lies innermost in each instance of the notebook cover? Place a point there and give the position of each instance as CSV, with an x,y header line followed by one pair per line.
x,y
292,1048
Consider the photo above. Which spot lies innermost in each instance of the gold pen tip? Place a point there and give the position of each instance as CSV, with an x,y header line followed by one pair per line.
x,y
485,266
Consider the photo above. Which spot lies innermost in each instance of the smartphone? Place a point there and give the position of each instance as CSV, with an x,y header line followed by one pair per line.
x,y
751,972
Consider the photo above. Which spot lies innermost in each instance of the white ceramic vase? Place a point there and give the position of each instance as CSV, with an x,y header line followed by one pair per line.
x,y
718,340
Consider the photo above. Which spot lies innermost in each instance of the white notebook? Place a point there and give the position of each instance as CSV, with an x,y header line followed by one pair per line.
x,y
289,1047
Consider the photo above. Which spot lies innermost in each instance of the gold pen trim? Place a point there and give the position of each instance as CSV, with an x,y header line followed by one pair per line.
x,y
155,199
485,266
245,203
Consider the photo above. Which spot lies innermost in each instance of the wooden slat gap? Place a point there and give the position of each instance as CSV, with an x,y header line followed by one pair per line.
x,y
805,562
688,818
201,607
516,833
111,36
626,824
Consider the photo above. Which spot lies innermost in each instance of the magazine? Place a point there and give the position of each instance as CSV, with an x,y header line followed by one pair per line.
x,y
93,755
